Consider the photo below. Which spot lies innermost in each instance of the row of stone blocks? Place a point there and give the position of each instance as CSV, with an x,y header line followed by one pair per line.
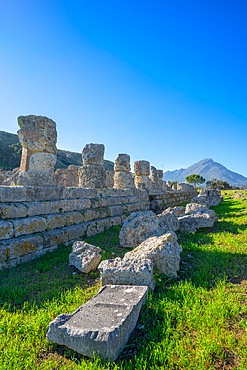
x,y
159,202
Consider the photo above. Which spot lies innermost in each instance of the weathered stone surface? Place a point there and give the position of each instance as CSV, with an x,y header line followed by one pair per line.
x,y
213,196
92,176
6,230
142,168
109,179
42,162
12,210
164,251
37,133
93,154
129,271
85,257
143,182
138,227
123,180
29,225
200,200
17,247
156,177
197,219
122,163
185,187
191,207
103,325
35,178
167,222
177,210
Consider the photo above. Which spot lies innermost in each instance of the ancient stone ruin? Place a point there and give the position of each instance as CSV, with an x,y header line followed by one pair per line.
x,y
47,209
38,137
123,178
92,173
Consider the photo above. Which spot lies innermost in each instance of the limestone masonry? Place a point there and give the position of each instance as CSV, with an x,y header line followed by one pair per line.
x,y
41,208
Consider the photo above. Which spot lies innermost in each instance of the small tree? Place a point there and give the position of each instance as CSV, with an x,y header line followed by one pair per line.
x,y
195,179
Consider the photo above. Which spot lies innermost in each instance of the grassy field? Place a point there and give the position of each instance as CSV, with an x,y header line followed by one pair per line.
x,y
196,322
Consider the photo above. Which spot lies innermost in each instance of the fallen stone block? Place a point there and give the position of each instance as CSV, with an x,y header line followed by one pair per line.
x,y
130,271
138,227
164,251
103,325
196,220
85,257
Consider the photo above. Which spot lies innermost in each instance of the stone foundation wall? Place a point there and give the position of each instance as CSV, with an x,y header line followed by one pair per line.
x,y
34,220
172,198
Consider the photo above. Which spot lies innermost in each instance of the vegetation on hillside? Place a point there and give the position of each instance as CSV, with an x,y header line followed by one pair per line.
x,y
196,322
10,154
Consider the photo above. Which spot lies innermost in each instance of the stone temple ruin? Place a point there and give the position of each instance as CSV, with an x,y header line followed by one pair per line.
x,y
41,208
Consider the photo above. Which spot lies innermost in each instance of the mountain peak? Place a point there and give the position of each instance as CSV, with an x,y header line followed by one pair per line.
x,y
209,170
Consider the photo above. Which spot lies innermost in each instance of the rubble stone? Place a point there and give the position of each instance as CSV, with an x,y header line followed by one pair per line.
x,y
164,251
138,227
167,222
129,271
191,207
197,219
85,257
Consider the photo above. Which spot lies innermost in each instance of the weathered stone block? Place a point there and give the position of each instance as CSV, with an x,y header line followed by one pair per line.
x,y
54,237
123,180
142,168
163,251
103,325
6,230
12,210
129,271
93,154
138,227
122,163
17,247
55,221
85,257
29,225
74,232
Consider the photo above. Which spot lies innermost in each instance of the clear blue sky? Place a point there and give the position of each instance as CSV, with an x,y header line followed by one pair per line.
x,y
164,81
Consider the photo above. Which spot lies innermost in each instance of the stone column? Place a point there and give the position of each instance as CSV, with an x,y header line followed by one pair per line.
x,y
38,137
142,172
123,178
92,174
156,177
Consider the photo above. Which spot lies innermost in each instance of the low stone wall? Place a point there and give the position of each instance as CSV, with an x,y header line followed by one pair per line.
x,y
172,198
34,220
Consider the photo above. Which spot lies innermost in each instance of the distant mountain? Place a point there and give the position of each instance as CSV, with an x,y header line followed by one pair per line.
x,y
209,170
10,154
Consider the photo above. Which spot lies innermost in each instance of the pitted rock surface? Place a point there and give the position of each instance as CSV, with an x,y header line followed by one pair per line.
x,y
85,257
164,251
93,154
129,271
37,133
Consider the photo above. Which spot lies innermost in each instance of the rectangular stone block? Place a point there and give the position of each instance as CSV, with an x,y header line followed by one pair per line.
x,y
12,210
53,238
42,208
56,220
6,230
103,325
29,225
68,205
98,226
73,218
17,247
74,232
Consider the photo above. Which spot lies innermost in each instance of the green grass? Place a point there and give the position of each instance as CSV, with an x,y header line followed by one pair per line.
x,y
196,322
